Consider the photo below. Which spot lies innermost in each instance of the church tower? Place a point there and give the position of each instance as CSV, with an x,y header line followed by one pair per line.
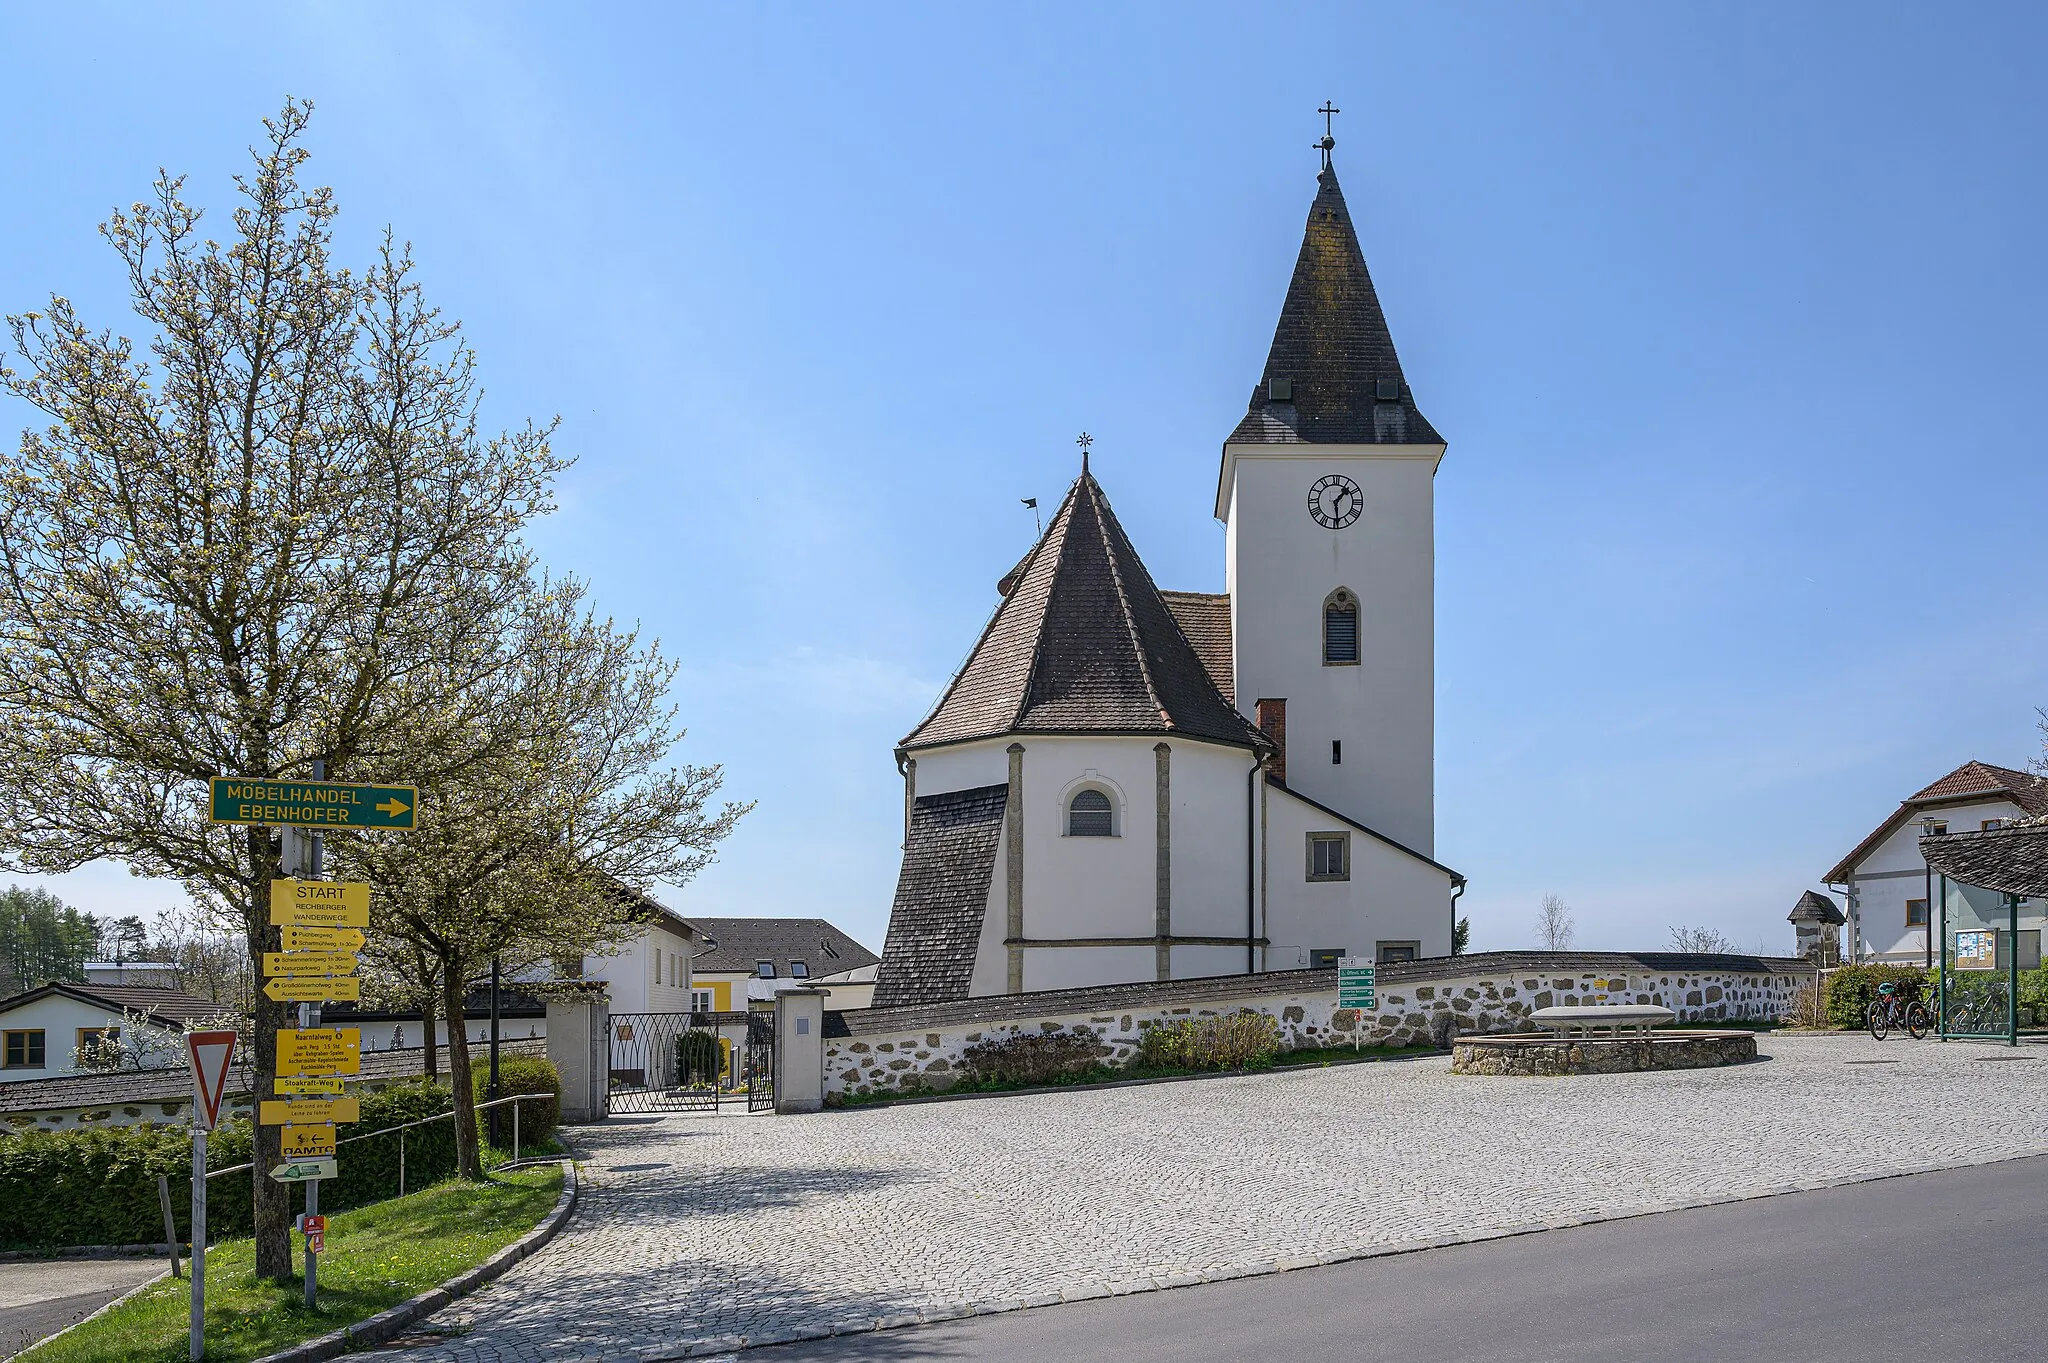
x,y
1326,490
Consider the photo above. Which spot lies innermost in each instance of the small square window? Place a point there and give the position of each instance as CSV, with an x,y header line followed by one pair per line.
x,y
765,969
701,1001
1989,824
799,971
1329,856
24,1050
1935,828
1916,913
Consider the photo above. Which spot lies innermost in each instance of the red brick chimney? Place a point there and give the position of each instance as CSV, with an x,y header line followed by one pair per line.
x,y
1273,724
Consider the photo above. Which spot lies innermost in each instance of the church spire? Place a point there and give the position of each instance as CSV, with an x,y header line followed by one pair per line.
x,y
1332,377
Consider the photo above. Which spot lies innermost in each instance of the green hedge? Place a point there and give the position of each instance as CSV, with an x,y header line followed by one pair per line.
x,y
98,1186
1244,1040
523,1074
1852,988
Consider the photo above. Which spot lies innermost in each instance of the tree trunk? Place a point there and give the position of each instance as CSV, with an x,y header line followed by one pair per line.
x,y
272,1204
428,1014
468,1164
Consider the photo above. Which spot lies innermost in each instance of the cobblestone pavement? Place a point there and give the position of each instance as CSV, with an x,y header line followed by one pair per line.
x,y
698,1233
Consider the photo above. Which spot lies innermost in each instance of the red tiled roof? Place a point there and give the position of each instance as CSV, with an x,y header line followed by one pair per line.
x,y
1205,618
1973,780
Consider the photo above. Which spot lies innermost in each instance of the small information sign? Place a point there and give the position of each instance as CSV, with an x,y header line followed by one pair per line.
x,y
276,1112
308,1142
306,1083
312,804
304,1170
323,939
1355,983
320,904
280,964
1977,950
314,989
319,1051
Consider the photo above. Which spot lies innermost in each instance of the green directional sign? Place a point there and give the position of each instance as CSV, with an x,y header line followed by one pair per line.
x,y
1356,986
312,804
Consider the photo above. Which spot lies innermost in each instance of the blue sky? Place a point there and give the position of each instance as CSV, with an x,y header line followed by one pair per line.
x,y
1730,314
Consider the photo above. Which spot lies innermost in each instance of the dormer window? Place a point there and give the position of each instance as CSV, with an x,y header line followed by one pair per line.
x,y
1340,628
1088,815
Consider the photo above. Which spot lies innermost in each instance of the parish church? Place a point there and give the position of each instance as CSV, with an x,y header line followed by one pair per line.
x,y
1124,783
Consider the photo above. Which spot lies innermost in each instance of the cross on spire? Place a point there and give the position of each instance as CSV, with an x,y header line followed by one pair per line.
x,y
1084,440
1328,111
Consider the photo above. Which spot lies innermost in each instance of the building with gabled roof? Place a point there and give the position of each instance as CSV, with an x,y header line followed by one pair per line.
x,y
1124,784
1886,880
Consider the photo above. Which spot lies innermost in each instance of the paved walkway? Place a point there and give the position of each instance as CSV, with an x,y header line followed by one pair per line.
x,y
698,1232
39,1297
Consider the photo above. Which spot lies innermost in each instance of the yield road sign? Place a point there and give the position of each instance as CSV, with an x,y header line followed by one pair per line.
x,y
323,939
296,1084
320,904
308,1142
320,1050
272,1112
312,804
287,963
305,1170
315,989
208,1053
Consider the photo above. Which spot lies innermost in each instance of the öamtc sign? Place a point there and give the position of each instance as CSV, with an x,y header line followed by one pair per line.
x,y
312,804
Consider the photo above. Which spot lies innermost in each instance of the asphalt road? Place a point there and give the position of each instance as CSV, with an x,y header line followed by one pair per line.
x,y
39,1297
1942,1265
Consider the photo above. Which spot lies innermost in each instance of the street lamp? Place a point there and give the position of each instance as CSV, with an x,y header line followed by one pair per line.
x,y
1928,823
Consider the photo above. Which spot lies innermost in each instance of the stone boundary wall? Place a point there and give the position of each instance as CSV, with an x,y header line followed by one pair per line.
x,y
919,1048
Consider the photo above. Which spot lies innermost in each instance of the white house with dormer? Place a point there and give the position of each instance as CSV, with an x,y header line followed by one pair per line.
x,y
1890,893
1127,784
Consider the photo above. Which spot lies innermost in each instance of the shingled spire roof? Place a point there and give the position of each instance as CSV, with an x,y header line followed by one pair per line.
x,y
1332,377
1082,643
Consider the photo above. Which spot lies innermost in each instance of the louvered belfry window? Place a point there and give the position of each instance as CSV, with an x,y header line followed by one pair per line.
x,y
1088,815
1340,629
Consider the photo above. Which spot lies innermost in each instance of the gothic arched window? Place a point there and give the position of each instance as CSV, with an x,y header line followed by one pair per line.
x,y
1340,627
1088,815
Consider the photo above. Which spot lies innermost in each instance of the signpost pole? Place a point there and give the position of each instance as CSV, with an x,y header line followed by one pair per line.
x,y
2012,972
309,1016
198,1243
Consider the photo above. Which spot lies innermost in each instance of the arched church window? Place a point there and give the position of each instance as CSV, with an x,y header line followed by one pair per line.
x,y
1088,815
1340,627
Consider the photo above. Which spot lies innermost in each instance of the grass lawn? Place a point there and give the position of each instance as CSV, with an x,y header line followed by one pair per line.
x,y
376,1257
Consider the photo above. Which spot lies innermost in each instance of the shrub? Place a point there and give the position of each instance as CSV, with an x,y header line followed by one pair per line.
x,y
97,1186
523,1074
1031,1058
1852,988
698,1062
1806,1009
1244,1040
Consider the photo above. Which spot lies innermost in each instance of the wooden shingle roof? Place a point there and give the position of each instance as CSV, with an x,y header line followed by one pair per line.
x,y
949,861
1083,642
1332,355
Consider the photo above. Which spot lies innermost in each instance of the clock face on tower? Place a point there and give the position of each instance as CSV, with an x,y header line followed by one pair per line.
x,y
1335,501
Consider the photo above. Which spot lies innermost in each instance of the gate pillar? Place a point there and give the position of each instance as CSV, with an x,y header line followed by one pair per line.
x,y
579,1034
800,1050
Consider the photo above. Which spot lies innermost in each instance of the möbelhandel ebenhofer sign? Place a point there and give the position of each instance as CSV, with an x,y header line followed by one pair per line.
x,y
312,804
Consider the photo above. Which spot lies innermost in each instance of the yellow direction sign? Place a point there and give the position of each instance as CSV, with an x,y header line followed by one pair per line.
x,y
309,962
308,1142
319,904
320,1050
274,1112
314,989
322,939
302,1083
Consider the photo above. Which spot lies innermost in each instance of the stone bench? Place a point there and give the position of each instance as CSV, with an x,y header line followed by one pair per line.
x,y
1610,1017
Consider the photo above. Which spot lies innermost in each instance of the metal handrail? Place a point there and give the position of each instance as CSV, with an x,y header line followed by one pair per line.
x,y
448,1116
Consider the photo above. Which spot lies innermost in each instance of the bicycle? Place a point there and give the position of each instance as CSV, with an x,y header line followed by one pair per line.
x,y
1979,1011
1891,1009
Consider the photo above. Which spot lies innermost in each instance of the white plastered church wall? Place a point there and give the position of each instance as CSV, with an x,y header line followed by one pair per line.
x,y
1282,566
1389,897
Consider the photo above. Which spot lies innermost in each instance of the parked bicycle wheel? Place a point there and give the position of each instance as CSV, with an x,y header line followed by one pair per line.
x,y
1917,1021
1879,1023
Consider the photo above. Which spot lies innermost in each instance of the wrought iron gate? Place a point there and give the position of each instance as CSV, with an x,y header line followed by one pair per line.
x,y
691,1062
